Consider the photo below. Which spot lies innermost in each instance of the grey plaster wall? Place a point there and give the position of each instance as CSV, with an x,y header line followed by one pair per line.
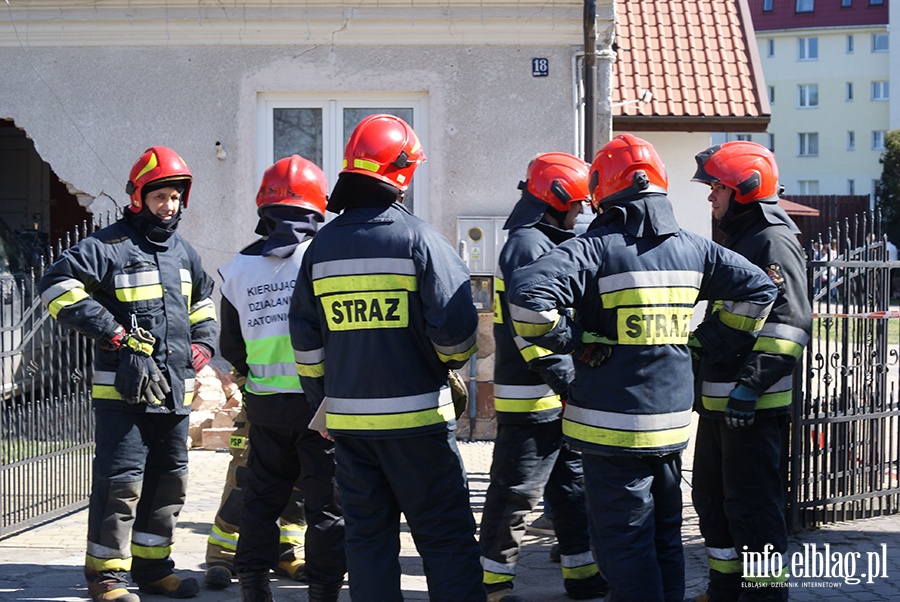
x,y
92,110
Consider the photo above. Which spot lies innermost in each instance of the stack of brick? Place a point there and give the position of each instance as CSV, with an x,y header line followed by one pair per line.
x,y
217,401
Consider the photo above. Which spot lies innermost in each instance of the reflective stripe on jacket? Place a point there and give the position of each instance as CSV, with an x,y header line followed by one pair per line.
x,y
381,310
115,273
639,292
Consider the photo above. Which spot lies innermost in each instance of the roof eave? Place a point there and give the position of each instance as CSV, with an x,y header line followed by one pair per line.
x,y
679,123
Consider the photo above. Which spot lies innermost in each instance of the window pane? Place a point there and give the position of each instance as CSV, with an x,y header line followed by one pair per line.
x,y
880,42
298,131
352,116
805,6
767,5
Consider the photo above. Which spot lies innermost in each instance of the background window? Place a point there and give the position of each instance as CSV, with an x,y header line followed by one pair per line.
x,y
850,44
849,96
808,186
771,94
846,3
851,140
772,142
809,49
851,187
767,5
876,2
744,137
805,6
880,90
808,96
770,47
878,139
880,42
808,144
317,127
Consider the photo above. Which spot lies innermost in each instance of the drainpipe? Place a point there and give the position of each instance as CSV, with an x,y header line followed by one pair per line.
x,y
599,35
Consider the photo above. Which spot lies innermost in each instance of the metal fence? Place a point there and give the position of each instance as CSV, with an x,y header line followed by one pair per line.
x,y
845,440
46,422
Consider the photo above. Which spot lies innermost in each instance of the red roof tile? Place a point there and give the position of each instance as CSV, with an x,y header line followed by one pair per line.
x,y
699,60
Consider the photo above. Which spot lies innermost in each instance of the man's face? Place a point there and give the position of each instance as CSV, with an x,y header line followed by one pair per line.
x,y
575,209
720,198
164,202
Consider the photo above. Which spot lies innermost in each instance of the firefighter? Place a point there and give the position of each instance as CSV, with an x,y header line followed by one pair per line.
x,y
139,289
530,386
222,541
382,310
745,395
620,298
256,291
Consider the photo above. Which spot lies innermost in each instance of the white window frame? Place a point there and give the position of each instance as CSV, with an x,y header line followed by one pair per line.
x,y
850,43
770,47
332,106
880,90
804,140
808,49
878,139
805,94
808,187
880,42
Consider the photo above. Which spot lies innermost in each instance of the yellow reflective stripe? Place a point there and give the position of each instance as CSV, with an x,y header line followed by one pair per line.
x,y
223,539
109,392
151,552
533,352
186,288
152,162
118,565
66,299
730,567
490,578
367,165
650,296
461,357
139,293
204,310
502,404
742,323
366,310
499,287
626,439
767,401
386,422
363,283
581,572
780,346
311,370
530,329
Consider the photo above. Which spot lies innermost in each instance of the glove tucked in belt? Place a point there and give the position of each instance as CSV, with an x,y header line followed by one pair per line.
x,y
593,349
138,378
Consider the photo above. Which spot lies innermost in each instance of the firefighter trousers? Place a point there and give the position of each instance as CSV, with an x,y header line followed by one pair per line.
x,y
531,460
140,472
739,494
422,477
635,517
279,458
222,541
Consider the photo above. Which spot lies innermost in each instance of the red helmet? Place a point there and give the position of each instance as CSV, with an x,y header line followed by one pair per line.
x,y
158,164
626,166
746,167
294,181
384,147
558,179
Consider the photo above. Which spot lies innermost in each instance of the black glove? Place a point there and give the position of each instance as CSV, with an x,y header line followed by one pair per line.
x,y
459,392
741,407
138,378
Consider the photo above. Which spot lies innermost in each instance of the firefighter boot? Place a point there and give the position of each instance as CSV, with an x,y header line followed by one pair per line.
x,y
325,592
217,577
503,595
255,586
172,586
120,594
293,569
590,588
